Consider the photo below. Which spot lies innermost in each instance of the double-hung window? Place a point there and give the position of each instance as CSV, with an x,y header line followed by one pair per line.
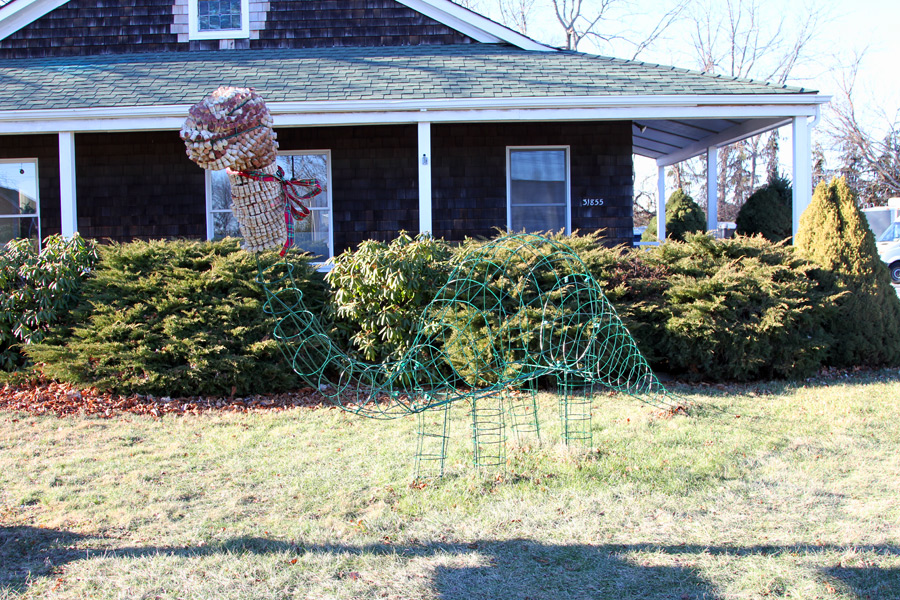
x,y
538,197
20,207
219,19
314,234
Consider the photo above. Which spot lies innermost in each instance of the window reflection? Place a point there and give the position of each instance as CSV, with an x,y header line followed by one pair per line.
x,y
19,203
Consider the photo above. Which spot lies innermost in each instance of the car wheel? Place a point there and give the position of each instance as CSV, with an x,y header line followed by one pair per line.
x,y
895,272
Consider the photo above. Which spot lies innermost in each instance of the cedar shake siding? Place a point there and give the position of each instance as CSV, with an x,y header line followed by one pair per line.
x,y
86,27
138,185
469,175
142,186
45,148
83,27
374,178
327,23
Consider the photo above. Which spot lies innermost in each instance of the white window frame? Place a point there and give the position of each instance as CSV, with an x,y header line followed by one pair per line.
x,y
567,150
210,211
194,32
327,190
37,194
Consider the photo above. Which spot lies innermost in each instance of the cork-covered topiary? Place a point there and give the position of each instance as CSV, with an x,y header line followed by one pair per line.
x,y
833,233
683,216
767,212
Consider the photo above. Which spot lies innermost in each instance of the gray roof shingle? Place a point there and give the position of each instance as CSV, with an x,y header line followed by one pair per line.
x,y
349,73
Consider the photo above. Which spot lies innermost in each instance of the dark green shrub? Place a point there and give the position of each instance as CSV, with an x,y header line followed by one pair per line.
x,y
176,319
738,309
504,300
768,212
37,289
731,310
380,290
834,233
683,216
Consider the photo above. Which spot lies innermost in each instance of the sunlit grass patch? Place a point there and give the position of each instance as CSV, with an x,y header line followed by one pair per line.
x,y
775,490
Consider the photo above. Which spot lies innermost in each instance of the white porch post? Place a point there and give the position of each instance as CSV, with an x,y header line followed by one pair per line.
x,y
661,204
712,189
424,160
67,202
802,170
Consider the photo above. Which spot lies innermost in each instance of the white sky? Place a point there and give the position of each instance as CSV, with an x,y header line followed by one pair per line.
x,y
846,29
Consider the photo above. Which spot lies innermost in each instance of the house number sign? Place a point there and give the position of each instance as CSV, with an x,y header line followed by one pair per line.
x,y
592,201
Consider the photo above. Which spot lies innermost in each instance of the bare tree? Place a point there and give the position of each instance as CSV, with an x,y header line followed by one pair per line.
x,y
600,21
667,20
470,4
735,38
579,18
871,161
517,14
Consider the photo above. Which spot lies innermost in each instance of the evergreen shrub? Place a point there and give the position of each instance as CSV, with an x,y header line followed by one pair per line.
x,y
732,310
176,319
380,289
738,309
181,318
37,288
834,233
683,216
768,212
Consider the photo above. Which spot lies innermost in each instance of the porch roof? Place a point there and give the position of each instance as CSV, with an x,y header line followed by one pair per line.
x,y
674,110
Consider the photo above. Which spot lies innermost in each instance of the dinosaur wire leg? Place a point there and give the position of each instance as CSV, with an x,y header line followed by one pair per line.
x,y
431,449
521,411
575,397
489,432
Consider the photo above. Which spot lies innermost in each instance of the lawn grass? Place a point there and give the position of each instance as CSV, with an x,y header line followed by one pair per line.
x,y
769,491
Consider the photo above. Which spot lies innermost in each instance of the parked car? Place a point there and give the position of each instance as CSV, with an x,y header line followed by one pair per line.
x,y
889,249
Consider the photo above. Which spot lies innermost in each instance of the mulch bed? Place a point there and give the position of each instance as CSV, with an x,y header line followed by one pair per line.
x,y
62,399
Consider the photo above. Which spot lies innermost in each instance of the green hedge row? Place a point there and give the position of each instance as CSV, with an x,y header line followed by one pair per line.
x,y
173,318
738,309
186,318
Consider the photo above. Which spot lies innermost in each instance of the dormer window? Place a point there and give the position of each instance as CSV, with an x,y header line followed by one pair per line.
x,y
219,19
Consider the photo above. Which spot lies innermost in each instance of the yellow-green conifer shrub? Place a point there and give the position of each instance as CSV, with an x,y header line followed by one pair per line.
x,y
833,233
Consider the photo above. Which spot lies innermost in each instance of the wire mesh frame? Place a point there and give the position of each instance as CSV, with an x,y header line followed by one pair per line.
x,y
476,339
431,444
575,410
489,432
522,412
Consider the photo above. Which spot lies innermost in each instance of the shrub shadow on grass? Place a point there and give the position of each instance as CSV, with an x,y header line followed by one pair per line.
x,y
28,552
516,568
866,582
778,387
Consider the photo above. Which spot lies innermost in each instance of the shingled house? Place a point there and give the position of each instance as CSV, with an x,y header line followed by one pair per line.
x,y
417,114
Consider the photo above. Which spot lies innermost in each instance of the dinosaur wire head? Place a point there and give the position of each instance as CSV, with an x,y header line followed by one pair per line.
x,y
230,128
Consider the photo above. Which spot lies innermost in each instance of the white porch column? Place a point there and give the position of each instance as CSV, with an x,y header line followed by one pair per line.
x,y
712,189
425,220
67,202
802,170
661,204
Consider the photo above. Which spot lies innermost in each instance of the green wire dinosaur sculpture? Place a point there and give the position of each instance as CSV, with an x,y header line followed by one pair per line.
x,y
475,342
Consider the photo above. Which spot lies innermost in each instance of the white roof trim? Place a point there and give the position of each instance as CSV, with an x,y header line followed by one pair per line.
x,y
21,13
288,114
472,24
